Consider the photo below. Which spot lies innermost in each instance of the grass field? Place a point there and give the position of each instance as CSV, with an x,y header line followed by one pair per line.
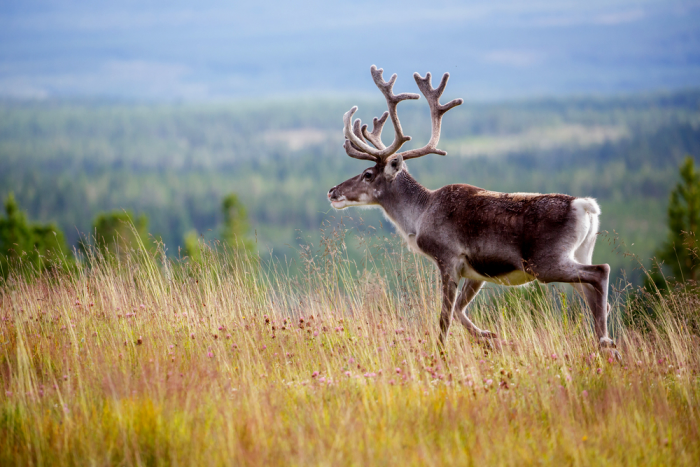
x,y
138,360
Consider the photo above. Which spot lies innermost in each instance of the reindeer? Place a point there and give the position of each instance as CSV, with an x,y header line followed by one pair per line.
x,y
469,232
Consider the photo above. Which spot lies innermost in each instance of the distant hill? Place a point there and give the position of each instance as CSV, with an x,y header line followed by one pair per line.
x,y
67,160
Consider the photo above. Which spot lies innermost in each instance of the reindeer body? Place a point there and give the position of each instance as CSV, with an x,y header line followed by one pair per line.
x,y
471,233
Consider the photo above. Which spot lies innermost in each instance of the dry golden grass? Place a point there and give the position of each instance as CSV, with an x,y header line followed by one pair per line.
x,y
138,361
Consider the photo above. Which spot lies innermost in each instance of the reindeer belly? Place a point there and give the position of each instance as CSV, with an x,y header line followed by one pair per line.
x,y
496,270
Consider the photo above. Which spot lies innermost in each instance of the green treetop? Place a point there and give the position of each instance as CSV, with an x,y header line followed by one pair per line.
x,y
22,242
234,231
679,253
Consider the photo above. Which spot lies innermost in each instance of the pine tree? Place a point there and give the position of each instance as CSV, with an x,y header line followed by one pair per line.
x,y
25,243
680,253
234,231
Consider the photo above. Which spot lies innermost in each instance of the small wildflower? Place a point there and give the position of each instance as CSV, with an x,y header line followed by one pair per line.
x,y
139,341
314,374
398,370
192,335
210,355
599,370
228,336
610,360
8,393
347,373
221,328
554,356
489,382
142,306
584,393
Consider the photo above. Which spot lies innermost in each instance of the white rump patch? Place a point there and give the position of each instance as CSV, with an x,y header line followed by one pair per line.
x,y
587,204
586,230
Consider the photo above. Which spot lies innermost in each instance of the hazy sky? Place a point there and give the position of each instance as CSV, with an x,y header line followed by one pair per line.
x,y
214,49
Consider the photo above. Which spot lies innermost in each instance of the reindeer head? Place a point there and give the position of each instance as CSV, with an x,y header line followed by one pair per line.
x,y
367,188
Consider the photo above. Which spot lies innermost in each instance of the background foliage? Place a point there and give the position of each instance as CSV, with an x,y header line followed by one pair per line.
x,y
67,161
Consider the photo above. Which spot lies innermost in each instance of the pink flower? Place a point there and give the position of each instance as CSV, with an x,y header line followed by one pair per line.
x,y
610,360
142,306
347,373
489,382
192,335
599,370
210,355
314,374
398,370
221,328
554,356
584,393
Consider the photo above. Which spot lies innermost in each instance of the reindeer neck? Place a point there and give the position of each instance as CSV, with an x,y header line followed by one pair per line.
x,y
404,202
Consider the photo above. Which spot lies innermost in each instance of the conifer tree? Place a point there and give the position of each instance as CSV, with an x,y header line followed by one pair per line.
x,y
234,231
680,253
22,242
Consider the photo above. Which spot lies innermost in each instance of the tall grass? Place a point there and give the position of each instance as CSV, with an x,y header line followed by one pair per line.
x,y
133,359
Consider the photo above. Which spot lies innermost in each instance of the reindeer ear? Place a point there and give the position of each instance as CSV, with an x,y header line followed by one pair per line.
x,y
393,166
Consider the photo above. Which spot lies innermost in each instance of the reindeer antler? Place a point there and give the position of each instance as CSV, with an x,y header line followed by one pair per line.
x,y
356,133
392,100
437,110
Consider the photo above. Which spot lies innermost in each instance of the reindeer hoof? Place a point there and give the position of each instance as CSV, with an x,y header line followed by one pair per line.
x,y
609,345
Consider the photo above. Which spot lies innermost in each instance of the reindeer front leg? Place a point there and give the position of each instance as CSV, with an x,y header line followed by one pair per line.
x,y
449,291
469,290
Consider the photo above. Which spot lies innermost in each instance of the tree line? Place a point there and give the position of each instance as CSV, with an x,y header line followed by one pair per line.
x,y
32,247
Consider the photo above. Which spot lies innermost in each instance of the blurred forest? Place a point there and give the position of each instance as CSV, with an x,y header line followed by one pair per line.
x,y
67,161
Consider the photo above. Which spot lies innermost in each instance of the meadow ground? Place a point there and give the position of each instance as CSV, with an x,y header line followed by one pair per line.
x,y
136,360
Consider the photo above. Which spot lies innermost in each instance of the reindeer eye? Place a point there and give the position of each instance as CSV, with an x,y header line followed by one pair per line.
x,y
367,175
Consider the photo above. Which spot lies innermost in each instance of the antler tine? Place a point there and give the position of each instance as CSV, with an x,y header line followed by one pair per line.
x,y
375,137
392,101
437,110
352,151
357,128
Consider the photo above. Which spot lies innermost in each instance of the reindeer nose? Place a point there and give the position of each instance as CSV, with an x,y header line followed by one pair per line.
x,y
331,193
